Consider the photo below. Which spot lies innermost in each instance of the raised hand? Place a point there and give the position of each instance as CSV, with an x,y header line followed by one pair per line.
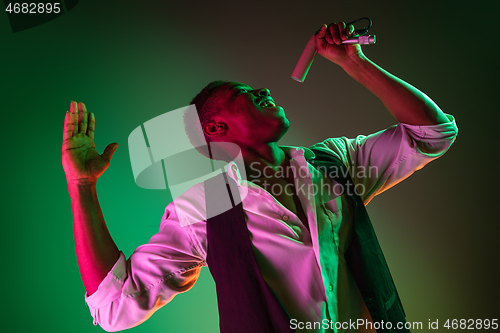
x,y
81,162
329,42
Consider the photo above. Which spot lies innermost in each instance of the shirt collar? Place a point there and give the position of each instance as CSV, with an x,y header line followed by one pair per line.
x,y
292,152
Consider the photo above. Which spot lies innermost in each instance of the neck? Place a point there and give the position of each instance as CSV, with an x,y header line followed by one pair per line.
x,y
257,159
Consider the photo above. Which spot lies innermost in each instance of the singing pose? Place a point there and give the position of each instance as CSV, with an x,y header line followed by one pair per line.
x,y
307,257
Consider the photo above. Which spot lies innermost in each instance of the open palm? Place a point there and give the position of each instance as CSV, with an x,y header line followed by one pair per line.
x,y
81,162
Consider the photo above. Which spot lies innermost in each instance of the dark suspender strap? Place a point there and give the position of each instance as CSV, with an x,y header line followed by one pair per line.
x,y
246,303
364,255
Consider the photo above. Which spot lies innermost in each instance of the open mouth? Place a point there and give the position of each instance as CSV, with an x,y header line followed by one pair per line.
x,y
268,103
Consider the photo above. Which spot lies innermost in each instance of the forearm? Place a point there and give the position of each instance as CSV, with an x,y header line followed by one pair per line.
x,y
406,103
95,249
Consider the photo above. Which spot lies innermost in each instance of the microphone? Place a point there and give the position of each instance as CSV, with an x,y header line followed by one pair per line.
x,y
306,58
361,40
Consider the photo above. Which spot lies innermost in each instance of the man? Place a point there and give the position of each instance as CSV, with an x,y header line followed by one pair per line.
x,y
298,237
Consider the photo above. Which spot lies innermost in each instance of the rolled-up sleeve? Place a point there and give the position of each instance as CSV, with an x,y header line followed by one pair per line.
x,y
134,289
379,161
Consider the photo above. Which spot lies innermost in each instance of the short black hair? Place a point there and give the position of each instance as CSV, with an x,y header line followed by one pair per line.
x,y
206,110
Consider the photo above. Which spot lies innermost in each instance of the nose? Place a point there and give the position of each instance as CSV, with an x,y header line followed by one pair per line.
x,y
262,92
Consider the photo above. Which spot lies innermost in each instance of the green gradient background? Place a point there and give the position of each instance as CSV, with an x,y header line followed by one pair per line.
x,y
131,61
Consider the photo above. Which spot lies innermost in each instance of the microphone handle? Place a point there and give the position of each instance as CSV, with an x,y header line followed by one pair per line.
x,y
362,40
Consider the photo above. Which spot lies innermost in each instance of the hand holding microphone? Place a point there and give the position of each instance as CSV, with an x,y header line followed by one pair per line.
x,y
336,42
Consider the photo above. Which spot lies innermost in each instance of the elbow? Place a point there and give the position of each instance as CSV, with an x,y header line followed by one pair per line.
x,y
114,323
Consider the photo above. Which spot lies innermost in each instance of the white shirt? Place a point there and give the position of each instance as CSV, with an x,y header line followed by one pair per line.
x,y
306,270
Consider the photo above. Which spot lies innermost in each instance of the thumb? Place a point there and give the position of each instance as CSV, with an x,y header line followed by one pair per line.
x,y
109,151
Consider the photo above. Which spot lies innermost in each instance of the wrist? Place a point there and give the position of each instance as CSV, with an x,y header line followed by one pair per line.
x,y
73,180
354,63
78,188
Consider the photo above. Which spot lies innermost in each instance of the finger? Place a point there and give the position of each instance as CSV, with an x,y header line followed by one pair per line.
x,y
322,31
109,151
320,38
350,30
342,31
83,122
329,38
334,31
74,117
78,107
68,126
91,127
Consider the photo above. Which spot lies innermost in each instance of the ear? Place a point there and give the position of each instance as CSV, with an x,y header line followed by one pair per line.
x,y
214,129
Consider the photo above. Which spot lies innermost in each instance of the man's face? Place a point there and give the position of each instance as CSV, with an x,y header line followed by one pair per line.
x,y
251,116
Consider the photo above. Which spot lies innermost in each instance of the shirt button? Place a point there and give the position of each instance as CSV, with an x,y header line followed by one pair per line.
x,y
285,218
330,288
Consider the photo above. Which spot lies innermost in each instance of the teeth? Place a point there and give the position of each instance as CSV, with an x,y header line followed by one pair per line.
x,y
269,104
